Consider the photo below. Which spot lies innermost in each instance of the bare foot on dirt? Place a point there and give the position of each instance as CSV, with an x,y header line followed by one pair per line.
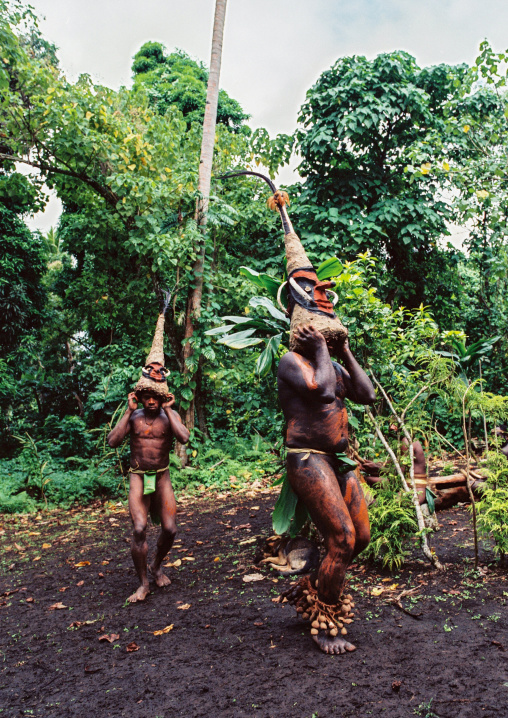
x,y
139,595
333,645
160,577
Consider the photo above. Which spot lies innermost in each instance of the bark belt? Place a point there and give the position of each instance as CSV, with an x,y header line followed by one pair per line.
x,y
308,452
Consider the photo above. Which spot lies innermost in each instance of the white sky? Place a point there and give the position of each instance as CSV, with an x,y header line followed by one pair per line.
x,y
274,50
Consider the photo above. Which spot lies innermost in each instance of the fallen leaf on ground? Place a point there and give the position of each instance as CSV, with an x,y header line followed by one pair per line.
x,y
105,563
259,623
80,583
132,647
79,564
35,558
217,558
46,545
253,577
109,637
64,588
199,543
19,548
175,564
164,630
78,624
29,599
184,607
377,590
188,558
241,526
56,606
254,508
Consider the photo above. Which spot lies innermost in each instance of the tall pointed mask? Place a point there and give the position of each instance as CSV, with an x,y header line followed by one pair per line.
x,y
308,298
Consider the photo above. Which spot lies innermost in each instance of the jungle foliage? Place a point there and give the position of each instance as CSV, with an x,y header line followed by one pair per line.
x,y
392,156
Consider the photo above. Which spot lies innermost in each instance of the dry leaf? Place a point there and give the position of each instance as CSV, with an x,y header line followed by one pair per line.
x,y
254,508
56,606
377,591
175,564
19,548
29,599
78,624
393,587
132,647
188,558
184,607
259,623
199,543
80,583
163,630
109,637
46,545
64,588
253,577
217,558
91,669
35,558
81,563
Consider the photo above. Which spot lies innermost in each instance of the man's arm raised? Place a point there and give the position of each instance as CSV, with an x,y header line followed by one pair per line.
x,y
358,385
118,434
180,432
311,373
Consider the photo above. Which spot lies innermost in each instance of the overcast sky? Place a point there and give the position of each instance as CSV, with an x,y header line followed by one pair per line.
x,y
274,50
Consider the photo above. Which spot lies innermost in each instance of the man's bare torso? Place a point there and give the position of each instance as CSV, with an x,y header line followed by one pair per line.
x,y
151,439
314,424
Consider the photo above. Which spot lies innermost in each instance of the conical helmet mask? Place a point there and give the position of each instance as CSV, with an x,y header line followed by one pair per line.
x,y
154,374
308,302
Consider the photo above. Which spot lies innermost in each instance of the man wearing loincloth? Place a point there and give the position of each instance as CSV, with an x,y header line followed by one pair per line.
x,y
312,389
151,429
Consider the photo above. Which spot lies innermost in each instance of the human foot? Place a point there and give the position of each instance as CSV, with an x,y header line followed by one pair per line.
x,y
139,595
334,645
160,577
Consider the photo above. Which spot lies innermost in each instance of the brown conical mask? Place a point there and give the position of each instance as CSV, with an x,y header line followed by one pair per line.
x,y
308,302
154,374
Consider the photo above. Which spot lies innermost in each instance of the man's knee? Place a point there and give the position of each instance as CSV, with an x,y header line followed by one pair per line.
x,y
168,528
139,532
341,545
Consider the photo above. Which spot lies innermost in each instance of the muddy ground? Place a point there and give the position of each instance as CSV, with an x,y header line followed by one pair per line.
x,y
233,651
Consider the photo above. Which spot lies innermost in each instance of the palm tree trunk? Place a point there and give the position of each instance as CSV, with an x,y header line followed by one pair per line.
x,y
193,309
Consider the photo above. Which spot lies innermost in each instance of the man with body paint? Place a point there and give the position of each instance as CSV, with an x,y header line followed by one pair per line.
x,y
151,431
312,389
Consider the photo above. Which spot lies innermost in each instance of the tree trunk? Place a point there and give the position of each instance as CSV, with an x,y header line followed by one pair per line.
x,y
193,309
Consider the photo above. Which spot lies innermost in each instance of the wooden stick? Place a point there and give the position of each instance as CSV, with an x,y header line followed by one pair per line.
x,y
414,494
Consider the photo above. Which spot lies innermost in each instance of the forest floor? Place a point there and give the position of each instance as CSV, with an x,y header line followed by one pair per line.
x,y
231,650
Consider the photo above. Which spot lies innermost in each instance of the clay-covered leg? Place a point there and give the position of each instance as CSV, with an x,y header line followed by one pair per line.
x,y
357,506
314,481
165,506
138,507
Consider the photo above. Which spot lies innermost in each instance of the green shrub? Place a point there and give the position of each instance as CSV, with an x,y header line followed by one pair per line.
x,y
393,523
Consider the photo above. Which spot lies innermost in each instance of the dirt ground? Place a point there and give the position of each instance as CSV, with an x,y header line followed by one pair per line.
x,y
231,650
